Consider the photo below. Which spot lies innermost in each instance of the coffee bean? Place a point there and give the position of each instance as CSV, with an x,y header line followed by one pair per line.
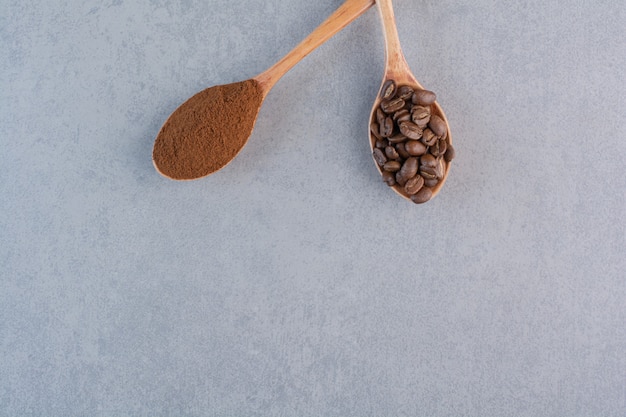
x,y
429,173
428,137
411,130
450,153
438,148
440,168
415,147
382,143
405,92
375,130
400,148
428,167
397,138
391,152
434,149
392,166
413,185
402,116
437,125
443,146
420,115
409,168
392,105
422,196
428,161
400,180
388,89
379,157
431,183
389,178
424,97
380,116
445,135
386,127
432,169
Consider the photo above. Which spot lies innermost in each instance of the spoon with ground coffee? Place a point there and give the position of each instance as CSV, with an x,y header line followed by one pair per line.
x,y
409,133
208,130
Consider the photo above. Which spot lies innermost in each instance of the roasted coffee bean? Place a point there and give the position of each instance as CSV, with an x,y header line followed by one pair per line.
x,y
405,92
415,147
432,168
422,196
400,180
401,148
389,178
420,115
440,168
445,135
428,161
379,157
431,183
388,89
429,173
380,116
424,97
428,137
402,116
392,166
413,185
428,167
386,127
392,105
391,152
411,130
450,153
443,146
375,130
409,168
434,149
382,143
437,125
397,138
439,148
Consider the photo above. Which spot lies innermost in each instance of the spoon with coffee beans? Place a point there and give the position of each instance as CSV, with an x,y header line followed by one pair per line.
x,y
208,130
409,134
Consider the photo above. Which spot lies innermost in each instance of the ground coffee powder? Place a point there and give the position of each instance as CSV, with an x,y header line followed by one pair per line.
x,y
207,131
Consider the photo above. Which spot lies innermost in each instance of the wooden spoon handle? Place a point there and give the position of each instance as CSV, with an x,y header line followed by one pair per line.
x,y
346,13
396,65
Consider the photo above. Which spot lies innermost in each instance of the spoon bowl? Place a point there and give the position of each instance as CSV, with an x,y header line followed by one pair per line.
x,y
208,130
398,73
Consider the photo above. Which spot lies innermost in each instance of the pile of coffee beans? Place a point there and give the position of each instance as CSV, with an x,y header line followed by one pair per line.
x,y
411,143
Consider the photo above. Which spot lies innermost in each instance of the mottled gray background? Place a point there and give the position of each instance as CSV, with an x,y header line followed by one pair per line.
x,y
293,282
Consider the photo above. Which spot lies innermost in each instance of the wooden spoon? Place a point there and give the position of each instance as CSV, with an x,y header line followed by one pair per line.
x,y
398,71
207,131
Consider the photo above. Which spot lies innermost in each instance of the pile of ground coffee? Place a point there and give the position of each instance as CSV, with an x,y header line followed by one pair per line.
x,y
208,131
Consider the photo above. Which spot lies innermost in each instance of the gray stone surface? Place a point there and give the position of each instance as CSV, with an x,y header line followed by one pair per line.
x,y
293,282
